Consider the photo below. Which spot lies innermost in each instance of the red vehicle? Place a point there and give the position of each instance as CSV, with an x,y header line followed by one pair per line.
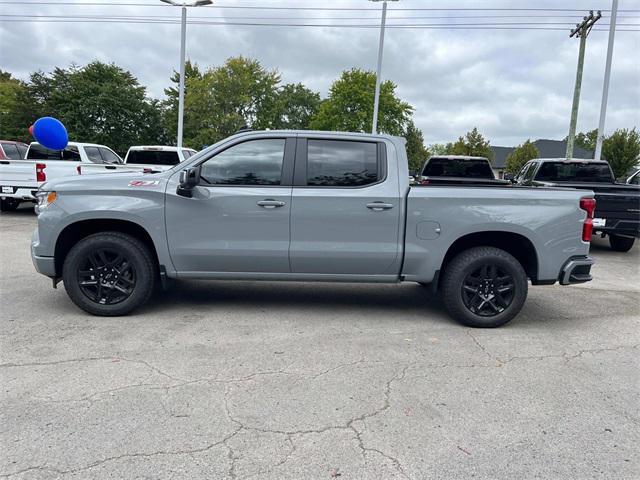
x,y
10,150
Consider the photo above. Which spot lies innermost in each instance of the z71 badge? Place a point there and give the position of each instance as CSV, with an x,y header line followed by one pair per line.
x,y
143,183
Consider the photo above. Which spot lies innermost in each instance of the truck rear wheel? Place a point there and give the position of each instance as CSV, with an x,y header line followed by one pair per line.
x,y
621,244
109,274
8,204
484,287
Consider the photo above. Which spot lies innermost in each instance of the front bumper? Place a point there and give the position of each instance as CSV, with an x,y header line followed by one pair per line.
x,y
577,270
44,265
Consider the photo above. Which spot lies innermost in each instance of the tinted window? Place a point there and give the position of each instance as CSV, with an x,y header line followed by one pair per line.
x,y
257,162
11,151
338,163
38,152
94,154
153,157
455,167
109,157
528,175
186,153
574,172
22,149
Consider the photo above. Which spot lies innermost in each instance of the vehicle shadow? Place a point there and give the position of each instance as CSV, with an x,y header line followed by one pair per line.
x,y
407,300
23,210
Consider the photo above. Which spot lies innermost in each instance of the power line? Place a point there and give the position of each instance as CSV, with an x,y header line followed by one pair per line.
x,y
262,7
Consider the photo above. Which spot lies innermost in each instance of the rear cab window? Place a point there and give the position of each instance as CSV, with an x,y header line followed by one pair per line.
x,y
38,152
562,171
342,163
152,157
457,167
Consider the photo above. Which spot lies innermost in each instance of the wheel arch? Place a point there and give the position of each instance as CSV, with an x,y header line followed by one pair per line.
x,y
76,231
515,244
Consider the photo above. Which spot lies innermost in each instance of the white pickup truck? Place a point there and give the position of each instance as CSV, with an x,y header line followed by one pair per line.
x,y
144,158
20,179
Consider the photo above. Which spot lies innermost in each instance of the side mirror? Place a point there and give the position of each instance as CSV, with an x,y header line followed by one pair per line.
x,y
189,178
509,176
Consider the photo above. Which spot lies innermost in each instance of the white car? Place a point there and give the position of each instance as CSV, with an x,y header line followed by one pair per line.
x,y
152,158
20,179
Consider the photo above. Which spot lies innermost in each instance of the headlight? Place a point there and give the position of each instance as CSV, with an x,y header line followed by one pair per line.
x,y
45,199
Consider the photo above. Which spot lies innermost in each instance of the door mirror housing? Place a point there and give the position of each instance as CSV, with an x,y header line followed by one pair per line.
x,y
189,178
510,177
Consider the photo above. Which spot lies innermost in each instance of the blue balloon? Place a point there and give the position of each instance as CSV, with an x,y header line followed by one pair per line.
x,y
50,133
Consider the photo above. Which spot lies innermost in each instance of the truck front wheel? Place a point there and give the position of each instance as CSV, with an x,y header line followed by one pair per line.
x,y
484,287
109,274
621,244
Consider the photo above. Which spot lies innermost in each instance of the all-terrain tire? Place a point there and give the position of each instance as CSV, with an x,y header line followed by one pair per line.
x,y
141,273
459,282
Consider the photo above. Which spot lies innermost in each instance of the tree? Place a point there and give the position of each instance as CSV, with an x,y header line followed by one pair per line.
x,y
437,149
521,155
622,150
296,106
587,140
239,93
170,105
350,105
416,151
17,109
472,144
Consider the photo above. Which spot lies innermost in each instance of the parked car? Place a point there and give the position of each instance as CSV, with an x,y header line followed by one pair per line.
x,y
10,150
309,206
458,170
144,158
618,205
20,179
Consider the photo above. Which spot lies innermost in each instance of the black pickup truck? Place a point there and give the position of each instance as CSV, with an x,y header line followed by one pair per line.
x,y
458,170
617,204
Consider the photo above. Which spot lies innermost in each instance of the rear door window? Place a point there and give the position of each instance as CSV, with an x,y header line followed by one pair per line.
x,y
109,157
22,149
11,151
342,163
94,154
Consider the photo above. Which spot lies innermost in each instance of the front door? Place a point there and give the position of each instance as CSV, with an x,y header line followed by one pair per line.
x,y
346,207
238,217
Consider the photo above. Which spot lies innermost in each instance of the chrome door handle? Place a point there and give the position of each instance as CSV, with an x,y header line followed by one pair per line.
x,y
269,203
379,206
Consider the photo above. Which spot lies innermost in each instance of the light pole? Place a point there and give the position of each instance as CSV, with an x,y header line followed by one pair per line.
x,y
376,98
183,38
607,76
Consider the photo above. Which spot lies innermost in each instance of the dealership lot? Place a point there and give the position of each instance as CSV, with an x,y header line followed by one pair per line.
x,y
287,380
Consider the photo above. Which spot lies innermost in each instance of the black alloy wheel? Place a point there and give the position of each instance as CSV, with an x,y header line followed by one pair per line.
x,y
106,276
488,290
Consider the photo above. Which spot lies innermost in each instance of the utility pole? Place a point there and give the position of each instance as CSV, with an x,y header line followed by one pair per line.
x,y
376,98
582,31
607,76
183,40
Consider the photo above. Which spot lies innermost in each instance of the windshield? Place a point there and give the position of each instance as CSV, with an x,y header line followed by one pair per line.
x,y
38,152
574,172
153,157
457,167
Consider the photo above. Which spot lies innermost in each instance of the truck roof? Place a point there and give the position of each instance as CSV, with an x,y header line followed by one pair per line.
x,y
77,144
459,157
571,160
161,148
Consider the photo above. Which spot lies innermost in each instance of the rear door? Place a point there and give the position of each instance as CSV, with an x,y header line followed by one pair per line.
x,y
345,209
238,217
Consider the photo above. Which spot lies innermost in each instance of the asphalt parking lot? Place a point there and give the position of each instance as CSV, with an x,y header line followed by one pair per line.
x,y
294,381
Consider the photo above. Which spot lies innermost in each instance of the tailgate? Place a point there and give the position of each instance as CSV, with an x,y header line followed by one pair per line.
x,y
17,173
619,205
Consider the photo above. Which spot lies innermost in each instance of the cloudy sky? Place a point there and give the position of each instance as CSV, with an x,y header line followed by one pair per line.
x,y
512,84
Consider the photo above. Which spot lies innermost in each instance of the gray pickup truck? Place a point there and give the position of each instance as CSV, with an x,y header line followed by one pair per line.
x,y
308,206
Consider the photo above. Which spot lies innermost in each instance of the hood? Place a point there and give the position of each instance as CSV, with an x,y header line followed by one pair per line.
x,y
105,181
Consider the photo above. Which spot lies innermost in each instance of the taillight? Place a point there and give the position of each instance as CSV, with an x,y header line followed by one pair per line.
x,y
40,175
79,169
589,206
